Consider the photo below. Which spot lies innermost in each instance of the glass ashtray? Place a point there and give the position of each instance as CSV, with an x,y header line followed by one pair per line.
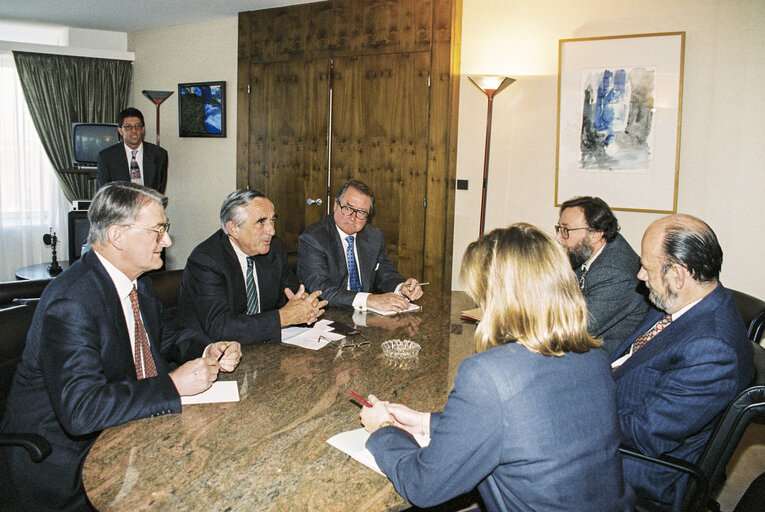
x,y
400,349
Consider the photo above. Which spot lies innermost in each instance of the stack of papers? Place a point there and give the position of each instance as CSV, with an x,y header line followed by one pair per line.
x,y
353,443
412,307
220,391
473,315
308,337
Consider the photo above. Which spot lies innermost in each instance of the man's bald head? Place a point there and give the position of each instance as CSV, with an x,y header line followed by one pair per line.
x,y
690,243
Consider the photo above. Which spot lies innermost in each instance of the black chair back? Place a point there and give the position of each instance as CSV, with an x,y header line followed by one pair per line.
x,y
14,324
753,312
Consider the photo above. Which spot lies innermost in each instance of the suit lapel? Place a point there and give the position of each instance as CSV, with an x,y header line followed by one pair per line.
x,y
149,305
337,248
149,169
231,263
366,272
113,306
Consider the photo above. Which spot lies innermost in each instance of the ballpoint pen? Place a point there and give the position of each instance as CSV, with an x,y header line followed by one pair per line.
x,y
359,399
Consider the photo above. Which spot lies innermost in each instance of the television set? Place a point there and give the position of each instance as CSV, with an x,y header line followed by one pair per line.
x,y
88,139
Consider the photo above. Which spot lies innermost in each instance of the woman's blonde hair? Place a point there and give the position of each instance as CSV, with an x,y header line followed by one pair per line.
x,y
522,279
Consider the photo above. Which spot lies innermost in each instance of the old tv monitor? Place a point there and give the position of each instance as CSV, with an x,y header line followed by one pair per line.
x,y
88,139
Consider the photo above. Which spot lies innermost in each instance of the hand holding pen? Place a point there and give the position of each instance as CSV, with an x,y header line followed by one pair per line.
x,y
229,354
374,415
412,289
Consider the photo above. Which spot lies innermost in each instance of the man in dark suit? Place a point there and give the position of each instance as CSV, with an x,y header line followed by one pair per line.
x,y
133,159
346,258
606,268
237,285
685,363
99,349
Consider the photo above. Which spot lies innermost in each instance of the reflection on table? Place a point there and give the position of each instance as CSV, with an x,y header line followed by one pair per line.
x,y
269,451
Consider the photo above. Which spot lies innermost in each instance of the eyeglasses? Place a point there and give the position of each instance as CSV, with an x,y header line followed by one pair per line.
x,y
350,210
564,231
350,341
131,127
160,231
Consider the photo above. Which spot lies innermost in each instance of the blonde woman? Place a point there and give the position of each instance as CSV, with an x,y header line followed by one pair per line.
x,y
531,421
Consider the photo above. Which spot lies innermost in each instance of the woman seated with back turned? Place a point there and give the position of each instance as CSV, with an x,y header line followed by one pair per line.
x,y
532,421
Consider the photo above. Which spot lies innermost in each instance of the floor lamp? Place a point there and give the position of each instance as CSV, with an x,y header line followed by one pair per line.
x,y
491,85
157,97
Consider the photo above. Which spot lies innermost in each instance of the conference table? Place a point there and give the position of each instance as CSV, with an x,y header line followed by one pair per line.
x,y
269,451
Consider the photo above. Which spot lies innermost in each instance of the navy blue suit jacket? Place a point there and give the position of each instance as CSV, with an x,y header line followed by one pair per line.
x,y
616,298
113,165
213,295
532,432
77,377
671,391
322,265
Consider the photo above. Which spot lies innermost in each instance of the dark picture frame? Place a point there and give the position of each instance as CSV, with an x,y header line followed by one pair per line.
x,y
202,109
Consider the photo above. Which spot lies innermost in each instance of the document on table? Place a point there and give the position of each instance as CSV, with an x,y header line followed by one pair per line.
x,y
308,337
220,391
412,307
472,314
353,441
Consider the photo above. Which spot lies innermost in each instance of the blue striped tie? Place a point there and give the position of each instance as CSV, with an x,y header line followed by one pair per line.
x,y
354,283
252,292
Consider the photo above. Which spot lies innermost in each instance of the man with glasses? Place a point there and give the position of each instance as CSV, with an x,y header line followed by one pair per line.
x,y
605,266
347,259
133,159
237,285
99,352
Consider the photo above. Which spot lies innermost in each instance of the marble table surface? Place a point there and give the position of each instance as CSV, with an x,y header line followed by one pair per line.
x,y
268,451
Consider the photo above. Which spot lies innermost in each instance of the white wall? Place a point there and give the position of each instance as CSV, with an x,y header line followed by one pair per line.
x,y
722,150
202,171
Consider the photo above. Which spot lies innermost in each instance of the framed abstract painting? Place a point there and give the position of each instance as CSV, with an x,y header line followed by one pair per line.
x,y
202,109
619,120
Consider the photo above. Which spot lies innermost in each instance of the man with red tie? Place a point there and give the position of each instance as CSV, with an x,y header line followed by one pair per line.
x,y
99,350
687,360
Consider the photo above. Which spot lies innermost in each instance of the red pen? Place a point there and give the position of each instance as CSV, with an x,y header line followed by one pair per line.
x,y
359,399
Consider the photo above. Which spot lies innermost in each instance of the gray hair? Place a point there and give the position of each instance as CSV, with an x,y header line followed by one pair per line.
x,y
233,207
118,203
361,187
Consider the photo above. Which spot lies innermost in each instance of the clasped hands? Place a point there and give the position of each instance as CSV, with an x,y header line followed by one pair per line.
x,y
301,308
198,374
383,413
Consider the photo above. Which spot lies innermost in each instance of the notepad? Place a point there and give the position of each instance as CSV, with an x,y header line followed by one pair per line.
x,y
473,315
220,391
353,443
412,307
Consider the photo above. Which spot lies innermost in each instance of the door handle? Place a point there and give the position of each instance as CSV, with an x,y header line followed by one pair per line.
x,y
316,201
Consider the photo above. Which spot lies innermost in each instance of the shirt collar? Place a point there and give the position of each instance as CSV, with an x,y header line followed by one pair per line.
x,y
129,150
586,265
343,234
122,283
678,314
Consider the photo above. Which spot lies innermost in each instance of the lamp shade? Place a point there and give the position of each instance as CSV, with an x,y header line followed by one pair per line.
x,y
491,84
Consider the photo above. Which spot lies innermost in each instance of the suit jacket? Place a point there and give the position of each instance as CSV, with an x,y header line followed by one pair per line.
x,y
77,377
322,265
513,426
113,165
213,295
671,391
616,298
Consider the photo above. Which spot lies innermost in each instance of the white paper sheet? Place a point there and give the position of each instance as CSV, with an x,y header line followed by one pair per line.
x,y
308,337
412,307
352,442
220,391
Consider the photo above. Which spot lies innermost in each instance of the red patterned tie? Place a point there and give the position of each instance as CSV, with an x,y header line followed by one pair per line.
x,y
653,331
142,351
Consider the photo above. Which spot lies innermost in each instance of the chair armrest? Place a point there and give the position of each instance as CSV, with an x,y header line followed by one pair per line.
x,y
37,446
701,493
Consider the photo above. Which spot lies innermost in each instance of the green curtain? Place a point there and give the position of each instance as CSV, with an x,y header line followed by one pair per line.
x,y
61,90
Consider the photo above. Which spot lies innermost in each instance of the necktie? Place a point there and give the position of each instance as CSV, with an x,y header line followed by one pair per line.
x,y
581,278
354,283
144,362
253,306
135,171
653,331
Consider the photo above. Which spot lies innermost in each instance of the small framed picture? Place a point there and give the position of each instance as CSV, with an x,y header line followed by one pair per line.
x,y
202,109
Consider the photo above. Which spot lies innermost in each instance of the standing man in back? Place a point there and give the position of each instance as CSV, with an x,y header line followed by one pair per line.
x,y
133,159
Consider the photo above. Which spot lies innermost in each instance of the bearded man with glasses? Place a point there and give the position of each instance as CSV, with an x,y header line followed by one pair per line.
x,y
133,159
606,268
346,258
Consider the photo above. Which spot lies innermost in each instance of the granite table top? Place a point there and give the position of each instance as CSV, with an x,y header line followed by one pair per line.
x,y
268,451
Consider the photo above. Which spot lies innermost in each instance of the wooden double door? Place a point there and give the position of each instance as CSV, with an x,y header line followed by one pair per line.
x,y
314,124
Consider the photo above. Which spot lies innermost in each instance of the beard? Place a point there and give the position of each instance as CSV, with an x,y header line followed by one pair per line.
x,y
579,254
664,301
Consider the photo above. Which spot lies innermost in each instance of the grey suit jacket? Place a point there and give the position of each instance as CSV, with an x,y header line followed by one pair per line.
x,y
113,166
616,298
322,266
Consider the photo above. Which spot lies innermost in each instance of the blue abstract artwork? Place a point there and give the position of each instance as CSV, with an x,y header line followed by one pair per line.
x,y
617,118
202,109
